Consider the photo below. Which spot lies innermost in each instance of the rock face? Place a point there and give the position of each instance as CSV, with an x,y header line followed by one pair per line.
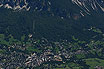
x,y
86,5
14,4
61,8
90,5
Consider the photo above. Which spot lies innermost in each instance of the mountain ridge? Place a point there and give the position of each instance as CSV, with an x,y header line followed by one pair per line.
x,y
83,7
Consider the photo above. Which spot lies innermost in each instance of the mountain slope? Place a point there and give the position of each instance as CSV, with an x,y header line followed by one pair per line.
x,y
83,7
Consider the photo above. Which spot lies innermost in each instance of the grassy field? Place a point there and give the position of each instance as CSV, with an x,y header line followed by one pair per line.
x,y
92,62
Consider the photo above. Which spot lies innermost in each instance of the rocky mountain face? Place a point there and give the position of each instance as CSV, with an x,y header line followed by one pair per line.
x,y
63,8
90,5
14,4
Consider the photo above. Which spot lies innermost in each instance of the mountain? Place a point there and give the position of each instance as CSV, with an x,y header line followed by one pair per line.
x,y
90,5
64,18
83,7
51,34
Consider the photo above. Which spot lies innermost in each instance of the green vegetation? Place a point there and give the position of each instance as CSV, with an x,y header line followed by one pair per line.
x,y
80,56
73,40
70,65
33,49
23,38
2,40
93,62
2,51
97,30
8,40
56,49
